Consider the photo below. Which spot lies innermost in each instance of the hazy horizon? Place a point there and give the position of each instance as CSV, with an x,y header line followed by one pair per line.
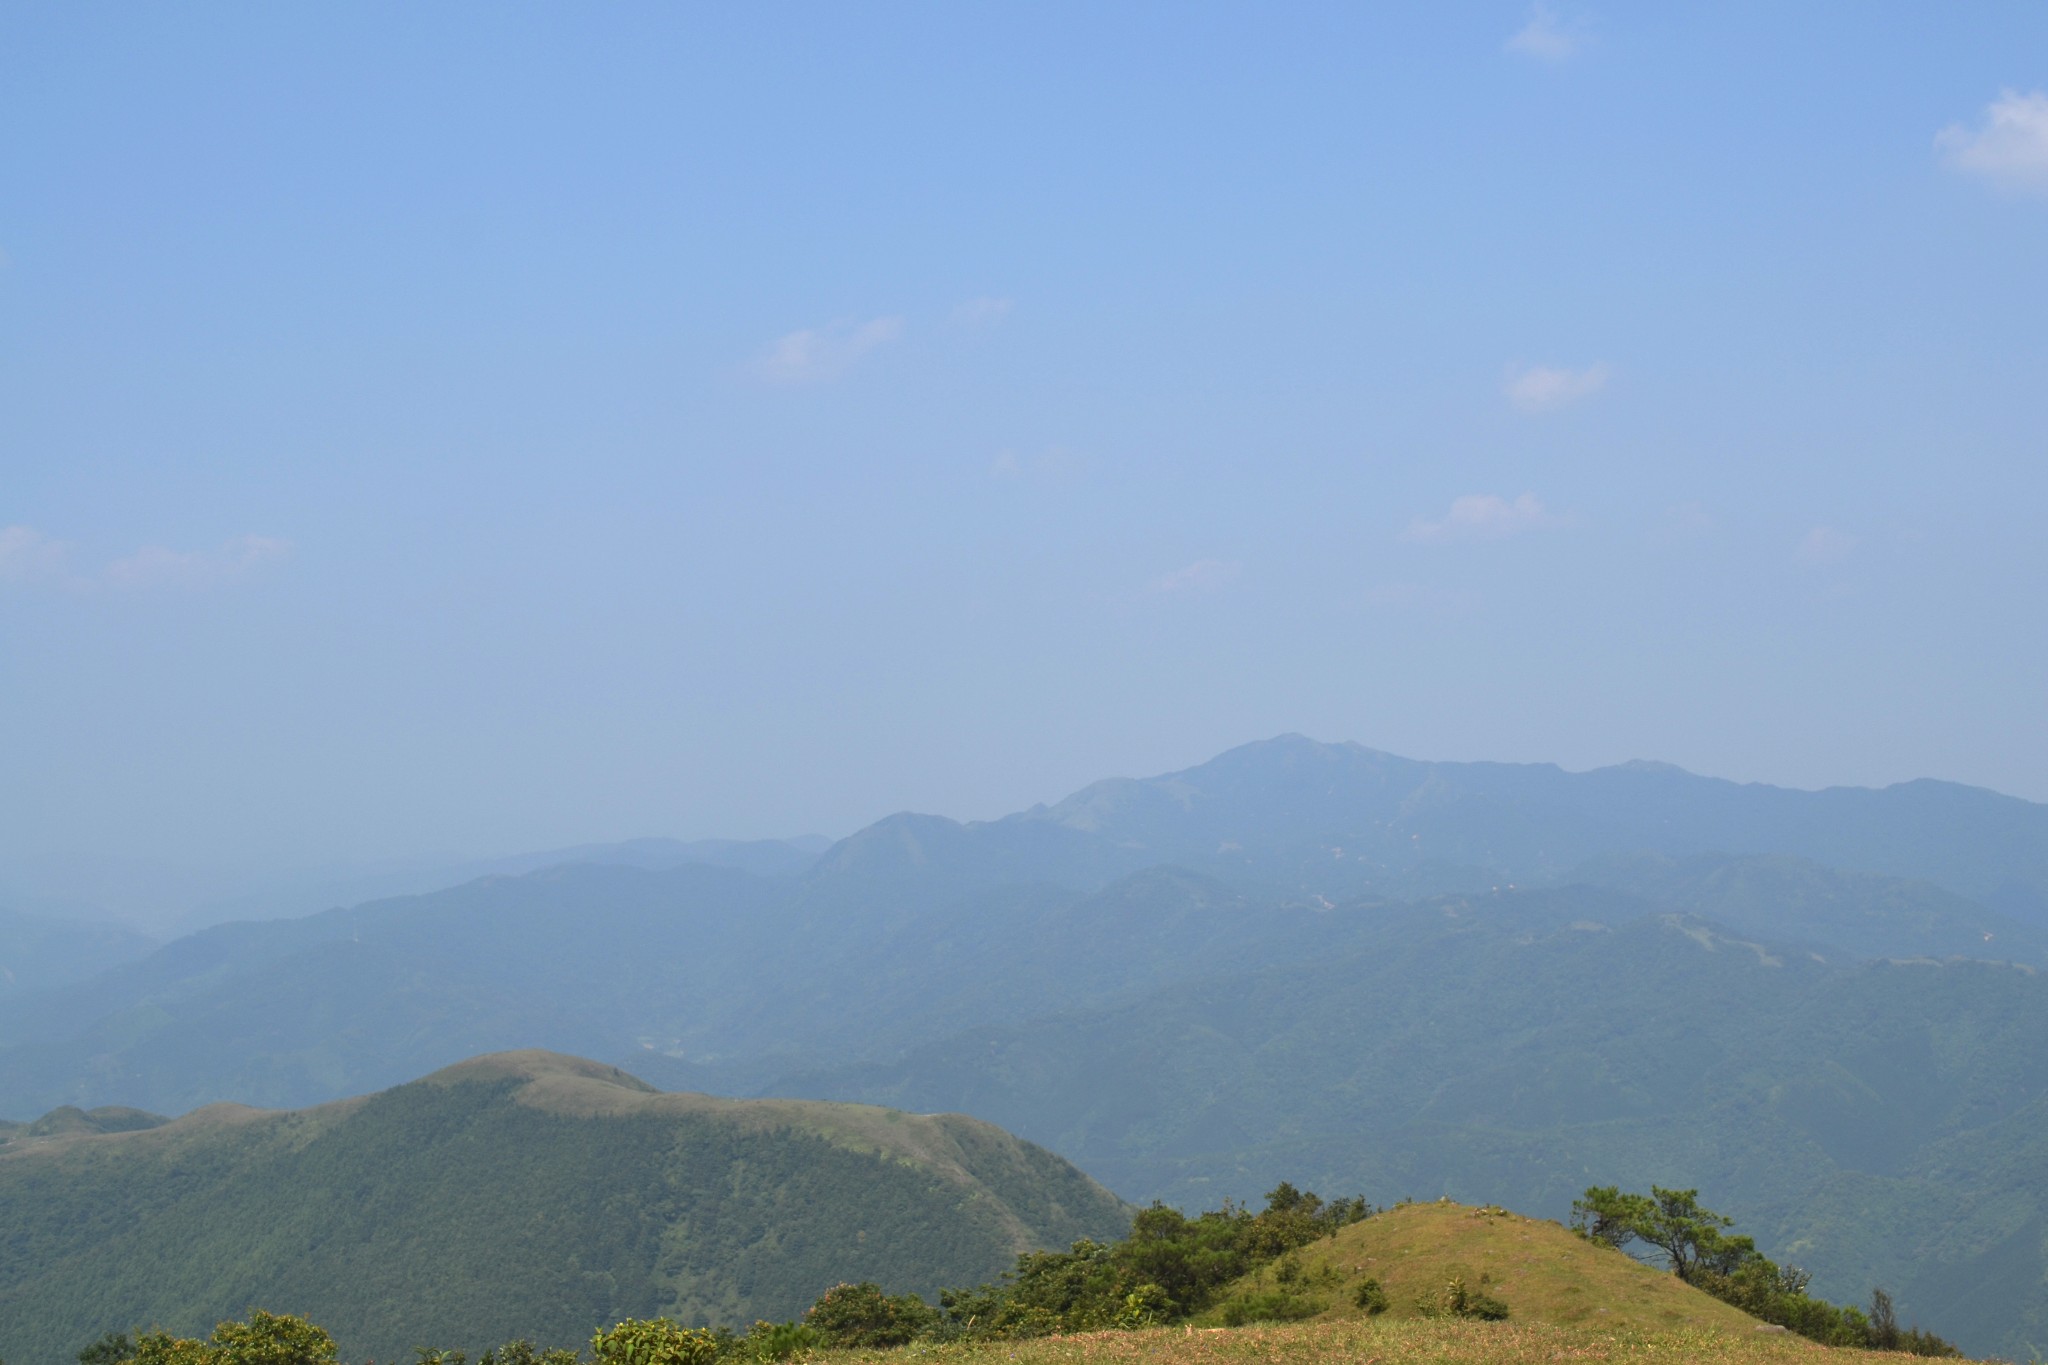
x,y
171,897
458,433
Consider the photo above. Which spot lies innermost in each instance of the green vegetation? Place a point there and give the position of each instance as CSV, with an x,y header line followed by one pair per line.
x,y
1169,1267
1431,1282
656,1341
1701,1252
523,1196
265,1339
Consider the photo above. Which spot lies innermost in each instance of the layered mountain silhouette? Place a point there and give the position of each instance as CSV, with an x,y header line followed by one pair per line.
x,y
1300,960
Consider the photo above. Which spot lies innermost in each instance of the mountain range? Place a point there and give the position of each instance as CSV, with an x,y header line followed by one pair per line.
x,y
1299,960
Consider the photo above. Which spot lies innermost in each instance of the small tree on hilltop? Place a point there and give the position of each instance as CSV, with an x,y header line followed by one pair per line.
x,y
1693,1239
1606,1215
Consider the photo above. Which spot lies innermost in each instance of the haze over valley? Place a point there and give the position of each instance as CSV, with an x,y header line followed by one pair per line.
x,y
1023,684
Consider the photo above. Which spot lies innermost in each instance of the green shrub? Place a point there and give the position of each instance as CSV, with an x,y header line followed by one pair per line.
x,y
265,1339
781,1340
654,1341
111,1349
524,1352
1145,1306
1371,1297
1190,1261
1456,1299
862,1315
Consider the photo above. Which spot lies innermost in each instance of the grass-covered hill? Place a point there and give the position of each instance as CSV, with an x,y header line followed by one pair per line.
x,y
518,1195
1537,1269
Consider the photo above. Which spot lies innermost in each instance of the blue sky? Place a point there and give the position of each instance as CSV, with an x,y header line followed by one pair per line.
x,y
470,428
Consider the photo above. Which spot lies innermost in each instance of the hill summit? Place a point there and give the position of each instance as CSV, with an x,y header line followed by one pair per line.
x,y
523,1194
1536,1269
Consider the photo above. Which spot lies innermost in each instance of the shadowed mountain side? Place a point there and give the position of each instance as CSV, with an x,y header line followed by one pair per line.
x,y
1479,1050
42,953
298,1011
172,900
708,978
703,977
523,1194
1791,899
931,858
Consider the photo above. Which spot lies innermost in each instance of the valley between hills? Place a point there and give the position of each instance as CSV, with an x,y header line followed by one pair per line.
x,y
1300,962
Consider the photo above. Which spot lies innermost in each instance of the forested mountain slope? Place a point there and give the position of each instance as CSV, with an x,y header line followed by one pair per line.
x,y
723,979
1875,1122
525,1194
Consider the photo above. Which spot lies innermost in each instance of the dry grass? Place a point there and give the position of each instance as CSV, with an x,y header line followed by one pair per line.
x,y
1383,1341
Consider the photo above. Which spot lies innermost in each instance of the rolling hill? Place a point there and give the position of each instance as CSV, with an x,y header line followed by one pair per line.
x,y
523,1194
1539,1270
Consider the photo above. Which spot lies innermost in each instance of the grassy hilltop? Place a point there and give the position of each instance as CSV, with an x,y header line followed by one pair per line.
x,y
1539,1270
1566,1299
523,1194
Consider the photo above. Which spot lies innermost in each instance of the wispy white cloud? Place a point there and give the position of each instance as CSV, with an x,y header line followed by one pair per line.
x,y
1204,575
1482,516
817,353
984,312
28,556
1826,545
1545,388
154,567
2010,149
1547,37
